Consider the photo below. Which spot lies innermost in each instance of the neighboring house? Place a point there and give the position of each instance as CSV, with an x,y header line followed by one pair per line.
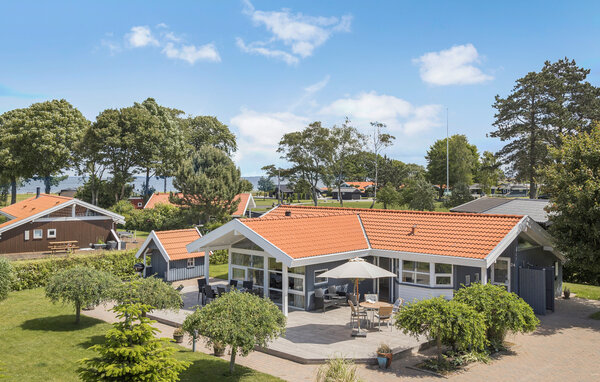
x,y
363,187
35,222
534,208
348,193
69,192
166,257
246,202
286,191
137,202
432,253
476,190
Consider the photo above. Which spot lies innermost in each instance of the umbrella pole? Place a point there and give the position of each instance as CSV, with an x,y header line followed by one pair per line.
x,y
358,333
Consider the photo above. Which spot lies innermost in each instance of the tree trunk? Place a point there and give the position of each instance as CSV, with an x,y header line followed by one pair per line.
x,y
165,185
438,344
375,185
232,360
147,185
13,190
47,185
77,312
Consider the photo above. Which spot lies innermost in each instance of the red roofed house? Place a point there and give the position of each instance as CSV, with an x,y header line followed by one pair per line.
x,y
432,253
246,202
363,187
165,255
36,222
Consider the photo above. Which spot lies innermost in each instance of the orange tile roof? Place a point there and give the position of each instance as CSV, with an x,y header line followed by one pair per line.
x,y
161,197
361,185
174,242
32,206
305,236
436,233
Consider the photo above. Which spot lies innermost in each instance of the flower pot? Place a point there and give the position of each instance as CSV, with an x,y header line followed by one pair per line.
x,y
178,338
567,294
384,360
219,350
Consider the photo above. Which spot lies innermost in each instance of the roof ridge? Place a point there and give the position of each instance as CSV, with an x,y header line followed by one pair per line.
x,y
379,210
311,216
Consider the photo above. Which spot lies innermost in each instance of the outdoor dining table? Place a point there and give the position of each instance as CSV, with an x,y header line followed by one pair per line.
x,y
373,306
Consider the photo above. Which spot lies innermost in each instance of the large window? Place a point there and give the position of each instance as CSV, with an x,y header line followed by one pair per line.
x,y
295,284
427,274
247,268
318,279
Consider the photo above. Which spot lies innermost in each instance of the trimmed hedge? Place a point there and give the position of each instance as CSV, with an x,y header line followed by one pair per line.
x,y
36,273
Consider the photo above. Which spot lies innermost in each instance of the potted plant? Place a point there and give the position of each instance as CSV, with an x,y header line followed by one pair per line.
x,y
178,335
567,293
384,356
219,349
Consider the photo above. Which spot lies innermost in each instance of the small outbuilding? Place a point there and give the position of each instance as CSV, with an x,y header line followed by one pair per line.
x,y
165,256
348,193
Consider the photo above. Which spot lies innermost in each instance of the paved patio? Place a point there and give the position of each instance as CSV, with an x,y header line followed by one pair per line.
x,y
313,337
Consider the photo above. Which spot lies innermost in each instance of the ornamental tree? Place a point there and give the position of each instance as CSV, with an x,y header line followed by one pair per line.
x,y
130,351
451,323
238,320
6,277
502,311
418,194
81,287
150,291
389,196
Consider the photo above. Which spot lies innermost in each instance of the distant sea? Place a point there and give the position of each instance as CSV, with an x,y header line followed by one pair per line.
x,y
73,182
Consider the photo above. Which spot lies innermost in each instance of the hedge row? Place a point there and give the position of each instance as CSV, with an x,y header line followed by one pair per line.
x,y
35,273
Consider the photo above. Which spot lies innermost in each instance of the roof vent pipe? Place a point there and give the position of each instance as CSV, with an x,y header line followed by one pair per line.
x,y
414,230
288,213
37,192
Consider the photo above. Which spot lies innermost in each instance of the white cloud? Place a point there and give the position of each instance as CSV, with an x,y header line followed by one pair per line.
x,y
172,45
141,36
400,115
454,66
311,89
302,34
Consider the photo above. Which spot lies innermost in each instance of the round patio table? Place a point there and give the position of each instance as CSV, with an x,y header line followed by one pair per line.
x,y
373,306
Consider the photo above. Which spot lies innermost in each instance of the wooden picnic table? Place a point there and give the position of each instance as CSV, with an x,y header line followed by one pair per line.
x,y
63,246
373,306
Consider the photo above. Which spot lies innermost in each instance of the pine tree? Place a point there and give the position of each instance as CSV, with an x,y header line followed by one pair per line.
x,y
131,352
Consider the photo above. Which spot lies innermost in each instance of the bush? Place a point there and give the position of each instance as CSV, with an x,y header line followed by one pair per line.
x,y
219,257
149,291
338,369
81,287
131,353
241,321
161,217
6,277
36,273
123,208
451,323
503,311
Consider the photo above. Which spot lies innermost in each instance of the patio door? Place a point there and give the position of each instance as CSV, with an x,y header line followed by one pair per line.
x,y
501,272
384,284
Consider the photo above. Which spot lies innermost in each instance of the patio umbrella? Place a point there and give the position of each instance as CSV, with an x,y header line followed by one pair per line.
x,y
357,268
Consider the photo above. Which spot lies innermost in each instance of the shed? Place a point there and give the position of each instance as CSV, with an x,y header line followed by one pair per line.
x,y
165,255
348,193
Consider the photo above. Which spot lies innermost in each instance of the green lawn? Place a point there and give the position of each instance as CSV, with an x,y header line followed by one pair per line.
x,y
219,271
40,342
584,291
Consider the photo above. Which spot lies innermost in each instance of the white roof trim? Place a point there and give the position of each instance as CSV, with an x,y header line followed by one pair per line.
x,y
152,236
116,217
415,256
9,216
246,206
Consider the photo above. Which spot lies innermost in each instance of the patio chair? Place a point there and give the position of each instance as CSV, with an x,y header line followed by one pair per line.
x,y
221,290
356,313
342,290
397,306
201,284
248,285
371,297
322,301
209,294
233,283
352,297
385,314
333,295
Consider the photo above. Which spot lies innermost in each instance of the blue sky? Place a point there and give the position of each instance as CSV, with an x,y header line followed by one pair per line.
x,y
266,68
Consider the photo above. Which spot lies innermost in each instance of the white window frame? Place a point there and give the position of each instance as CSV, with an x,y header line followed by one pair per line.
x,y
40,236
326,281
436,275
415,273
191,262
26,233
507,283
50,235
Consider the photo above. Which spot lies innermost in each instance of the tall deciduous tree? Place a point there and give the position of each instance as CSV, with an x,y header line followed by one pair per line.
x,y
572,180
488,172
308,151
463,159
418,194
380,142
208,130
209,182
345,142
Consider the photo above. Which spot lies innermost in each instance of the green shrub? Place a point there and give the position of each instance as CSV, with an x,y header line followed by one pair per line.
x,y
123,208
219,257
6,277
503,311
162,217
150,291
451,323
338,369
36,273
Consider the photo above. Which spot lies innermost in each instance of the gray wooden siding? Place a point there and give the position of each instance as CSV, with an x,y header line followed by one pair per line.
x,y
178,269
460,275
537,257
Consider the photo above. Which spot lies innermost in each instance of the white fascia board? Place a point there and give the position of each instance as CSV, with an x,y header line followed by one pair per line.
x,y
8,216
116,217
36,216
542,237
78,218
507,240
152,237
320,259
251,203
148,201
144,246
162,249
424,257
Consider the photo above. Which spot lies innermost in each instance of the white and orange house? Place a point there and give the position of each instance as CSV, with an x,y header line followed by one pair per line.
x,y
246,202
285,251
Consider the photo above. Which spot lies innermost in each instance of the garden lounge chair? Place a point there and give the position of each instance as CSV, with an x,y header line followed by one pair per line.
x,y
322,301
384,314
356,313
209,294
201,284
248,285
